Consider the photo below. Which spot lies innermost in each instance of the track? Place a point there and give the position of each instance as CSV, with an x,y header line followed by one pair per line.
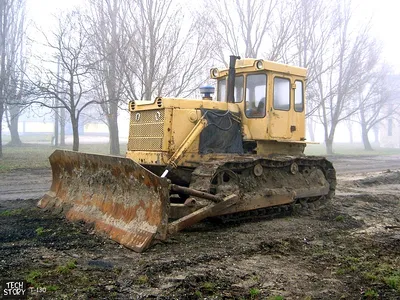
x,y
267,186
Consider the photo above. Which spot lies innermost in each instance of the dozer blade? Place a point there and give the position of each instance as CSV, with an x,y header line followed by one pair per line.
x,y
121,198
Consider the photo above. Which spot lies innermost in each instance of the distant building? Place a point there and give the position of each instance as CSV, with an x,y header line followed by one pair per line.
x,y
41,121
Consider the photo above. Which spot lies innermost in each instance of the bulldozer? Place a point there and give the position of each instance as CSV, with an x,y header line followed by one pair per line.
x,y
237,153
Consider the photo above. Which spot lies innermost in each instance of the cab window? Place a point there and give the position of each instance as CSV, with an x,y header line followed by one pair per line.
x,y
299,96
256,89
221,90
239,85
281,93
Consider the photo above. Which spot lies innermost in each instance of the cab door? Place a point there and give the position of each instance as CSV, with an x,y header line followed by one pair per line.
x,y
280,112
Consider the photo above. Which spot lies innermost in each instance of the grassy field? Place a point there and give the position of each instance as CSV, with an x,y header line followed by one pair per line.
x,y
30,138
349,149
36,155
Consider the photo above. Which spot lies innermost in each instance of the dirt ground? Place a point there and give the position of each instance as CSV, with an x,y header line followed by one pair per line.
x,y
349,249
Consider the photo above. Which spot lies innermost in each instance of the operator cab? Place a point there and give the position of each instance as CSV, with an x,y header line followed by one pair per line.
x,y
270,96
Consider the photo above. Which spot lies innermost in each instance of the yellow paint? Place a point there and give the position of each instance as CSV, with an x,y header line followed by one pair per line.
x,y
181,116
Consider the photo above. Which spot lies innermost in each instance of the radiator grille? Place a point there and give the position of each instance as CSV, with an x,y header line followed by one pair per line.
x,y
146,130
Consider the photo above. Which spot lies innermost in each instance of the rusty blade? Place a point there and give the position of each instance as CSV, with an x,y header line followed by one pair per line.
x,y
121,198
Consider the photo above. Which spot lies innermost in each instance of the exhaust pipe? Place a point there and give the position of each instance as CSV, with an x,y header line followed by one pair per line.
x,y
231,78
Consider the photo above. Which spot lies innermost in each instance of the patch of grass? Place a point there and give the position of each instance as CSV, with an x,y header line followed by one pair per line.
x,y
67,268
71,264
370,276
371,294
31,157
341,271
276,298
346,270
32,277
209,286
383,268
349,149
63,270
377,273
36,156
393,281
39,231
254,293
52,288
352,259
142,279
320,251
198,294
11,212
339,218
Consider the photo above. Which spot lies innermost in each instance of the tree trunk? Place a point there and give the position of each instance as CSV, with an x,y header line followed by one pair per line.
x,y
329,146
350,133
56,127
3,23
114,135
62,127
75,133
329,139
1,122
365,139
13,126
376,135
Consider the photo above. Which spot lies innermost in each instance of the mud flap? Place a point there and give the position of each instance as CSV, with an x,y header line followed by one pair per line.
x,y
120,197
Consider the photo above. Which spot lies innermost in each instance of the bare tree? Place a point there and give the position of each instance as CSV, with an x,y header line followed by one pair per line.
x,y
311,35
241,27
252,28
10,13
377,102
165,57
4,8
108,21
15,69
352,57
313,29
72,88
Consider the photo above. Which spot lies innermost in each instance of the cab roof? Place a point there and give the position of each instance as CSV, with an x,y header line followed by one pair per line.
x,y
248,65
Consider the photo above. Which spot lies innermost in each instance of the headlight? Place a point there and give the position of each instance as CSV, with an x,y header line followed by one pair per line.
x,y
159,102
214,73
259,64
132,105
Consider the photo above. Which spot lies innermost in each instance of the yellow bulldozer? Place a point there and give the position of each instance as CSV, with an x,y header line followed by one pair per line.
x,y
239,154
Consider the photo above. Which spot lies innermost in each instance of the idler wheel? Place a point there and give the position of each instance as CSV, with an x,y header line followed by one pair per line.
x,y
294,168
258,170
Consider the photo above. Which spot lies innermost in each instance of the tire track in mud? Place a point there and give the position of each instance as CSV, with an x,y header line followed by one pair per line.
x,y
238,264
346,165
24,184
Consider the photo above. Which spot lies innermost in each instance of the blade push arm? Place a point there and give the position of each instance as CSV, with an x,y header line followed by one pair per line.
x,y
197,129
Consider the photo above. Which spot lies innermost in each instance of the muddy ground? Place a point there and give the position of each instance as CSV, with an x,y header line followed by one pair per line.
x,y
349,249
